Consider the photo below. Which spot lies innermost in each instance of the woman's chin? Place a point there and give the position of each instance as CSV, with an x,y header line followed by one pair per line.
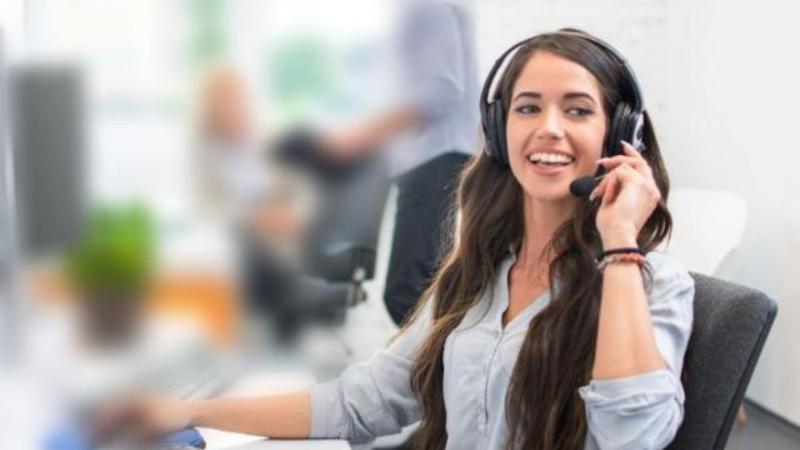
x,y
549,194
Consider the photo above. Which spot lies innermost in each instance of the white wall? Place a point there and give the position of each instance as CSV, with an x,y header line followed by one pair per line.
x,y
722,81
12,14
731,122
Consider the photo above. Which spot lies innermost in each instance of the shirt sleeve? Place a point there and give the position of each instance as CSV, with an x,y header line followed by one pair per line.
x,y
432,58
644,411
372,398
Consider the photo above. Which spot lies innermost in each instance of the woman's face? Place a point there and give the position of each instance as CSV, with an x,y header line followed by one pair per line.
x,y
555,127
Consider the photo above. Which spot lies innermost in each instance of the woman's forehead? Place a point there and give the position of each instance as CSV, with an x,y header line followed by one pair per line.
x,y
549,74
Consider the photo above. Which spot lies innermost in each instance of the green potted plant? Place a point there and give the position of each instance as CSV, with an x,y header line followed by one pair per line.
x,y
111,268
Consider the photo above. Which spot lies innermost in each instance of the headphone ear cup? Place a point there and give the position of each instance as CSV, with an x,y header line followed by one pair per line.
x,y
626,125
499,124
637,139
489,132
493,123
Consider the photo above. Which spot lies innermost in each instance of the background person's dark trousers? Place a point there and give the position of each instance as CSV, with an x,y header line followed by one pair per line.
x,y
424,197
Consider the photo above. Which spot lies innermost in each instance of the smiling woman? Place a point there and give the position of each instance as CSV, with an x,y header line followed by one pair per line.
x,y
523,340
592,338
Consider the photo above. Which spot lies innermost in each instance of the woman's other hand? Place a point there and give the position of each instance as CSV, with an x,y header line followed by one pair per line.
x,y
141,418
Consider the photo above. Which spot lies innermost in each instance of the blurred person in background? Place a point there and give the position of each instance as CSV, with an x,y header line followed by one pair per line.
x,y
430,133
229,174
234,181
240,188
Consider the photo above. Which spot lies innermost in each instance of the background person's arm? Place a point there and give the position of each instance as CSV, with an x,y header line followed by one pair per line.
x,y
430,85
359,140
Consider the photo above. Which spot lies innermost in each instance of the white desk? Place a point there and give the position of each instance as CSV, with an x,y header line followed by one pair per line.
x,y
282,444
264,384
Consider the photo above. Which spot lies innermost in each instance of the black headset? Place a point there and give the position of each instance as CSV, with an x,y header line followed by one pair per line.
x,y
627,121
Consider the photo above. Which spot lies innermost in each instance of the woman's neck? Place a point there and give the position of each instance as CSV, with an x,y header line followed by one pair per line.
x,y
542,219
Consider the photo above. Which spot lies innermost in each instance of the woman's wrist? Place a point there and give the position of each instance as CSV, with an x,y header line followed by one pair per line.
x,y
623,237
193,412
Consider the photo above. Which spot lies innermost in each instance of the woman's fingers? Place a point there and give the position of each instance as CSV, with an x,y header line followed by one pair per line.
x,y
615,161
629,156
630,177
610,193
630,150
608,182
613,181
599,188
611,175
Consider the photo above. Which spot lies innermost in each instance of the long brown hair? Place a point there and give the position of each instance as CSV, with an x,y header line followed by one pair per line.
x,y
543,408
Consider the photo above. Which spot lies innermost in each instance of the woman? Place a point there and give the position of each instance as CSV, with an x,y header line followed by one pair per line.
x,y
523,340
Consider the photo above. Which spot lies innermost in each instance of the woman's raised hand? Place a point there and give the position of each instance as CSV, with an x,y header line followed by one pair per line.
x,y
628,194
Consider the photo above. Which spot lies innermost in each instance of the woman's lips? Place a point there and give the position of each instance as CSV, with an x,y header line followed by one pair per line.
x,y
550,170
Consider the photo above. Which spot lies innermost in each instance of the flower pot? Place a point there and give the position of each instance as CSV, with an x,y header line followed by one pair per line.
x,y
111,319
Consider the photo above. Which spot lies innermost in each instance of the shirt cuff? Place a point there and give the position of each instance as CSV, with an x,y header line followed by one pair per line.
x,y
326,416
647,388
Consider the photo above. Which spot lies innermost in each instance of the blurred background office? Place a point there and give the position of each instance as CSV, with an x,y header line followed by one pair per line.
x,y
166,125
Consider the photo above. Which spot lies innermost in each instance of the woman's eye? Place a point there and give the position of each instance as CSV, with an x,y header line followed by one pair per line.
x,y
580,112
528,109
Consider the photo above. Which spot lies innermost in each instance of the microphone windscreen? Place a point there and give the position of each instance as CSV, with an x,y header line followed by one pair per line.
x,y
583,186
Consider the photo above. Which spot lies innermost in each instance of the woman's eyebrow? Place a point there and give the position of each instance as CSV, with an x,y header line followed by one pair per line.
x,y
572,95
529,94
567,96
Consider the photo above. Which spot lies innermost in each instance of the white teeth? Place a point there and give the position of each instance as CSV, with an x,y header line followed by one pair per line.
x,y
549,158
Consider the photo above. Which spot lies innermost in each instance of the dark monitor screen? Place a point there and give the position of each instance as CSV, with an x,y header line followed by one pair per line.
x,y
48,128
9,306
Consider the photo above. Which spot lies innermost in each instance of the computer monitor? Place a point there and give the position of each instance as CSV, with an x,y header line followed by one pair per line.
x,y
10,305
48,108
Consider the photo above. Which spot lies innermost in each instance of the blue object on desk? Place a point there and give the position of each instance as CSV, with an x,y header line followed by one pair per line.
x,y
72,436
188,437
69,436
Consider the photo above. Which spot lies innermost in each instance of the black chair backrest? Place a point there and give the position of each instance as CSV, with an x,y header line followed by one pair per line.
x,y
731,323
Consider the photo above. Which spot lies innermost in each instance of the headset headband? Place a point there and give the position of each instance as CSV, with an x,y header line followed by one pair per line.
x,y
638,101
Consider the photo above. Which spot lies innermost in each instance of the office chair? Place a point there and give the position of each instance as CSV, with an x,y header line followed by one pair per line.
x,y
339,254
731,324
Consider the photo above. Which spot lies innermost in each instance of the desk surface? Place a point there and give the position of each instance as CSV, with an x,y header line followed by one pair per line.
x,y
217,440
264,383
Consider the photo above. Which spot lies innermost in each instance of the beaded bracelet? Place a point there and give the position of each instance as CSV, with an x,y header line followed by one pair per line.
x,y
621,257
616,251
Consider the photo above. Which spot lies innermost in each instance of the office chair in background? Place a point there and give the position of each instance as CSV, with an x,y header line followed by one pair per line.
x,y
339,255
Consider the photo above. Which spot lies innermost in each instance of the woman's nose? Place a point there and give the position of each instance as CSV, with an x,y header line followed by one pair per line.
x,y
550,126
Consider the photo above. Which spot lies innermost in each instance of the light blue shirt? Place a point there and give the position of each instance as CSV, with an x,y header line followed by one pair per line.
x,y
438,76
640,412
